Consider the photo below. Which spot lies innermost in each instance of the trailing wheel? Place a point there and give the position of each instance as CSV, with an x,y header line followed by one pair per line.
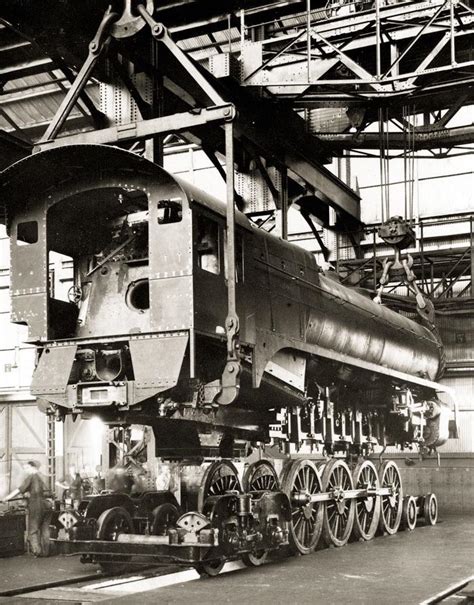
x,y
409,513
339,515
300,480
261,476
164,517
210,567
430,509
254,559
392,504
220,477
111,523
367,510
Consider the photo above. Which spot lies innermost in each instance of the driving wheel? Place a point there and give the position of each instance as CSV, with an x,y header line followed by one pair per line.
x,y
339,515
299,481
392,504
367,509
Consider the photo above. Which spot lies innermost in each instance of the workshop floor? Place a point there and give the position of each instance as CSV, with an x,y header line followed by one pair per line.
x,y
405,569
26,570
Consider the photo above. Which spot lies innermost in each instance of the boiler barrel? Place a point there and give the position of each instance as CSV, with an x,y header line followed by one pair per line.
x,y
347,322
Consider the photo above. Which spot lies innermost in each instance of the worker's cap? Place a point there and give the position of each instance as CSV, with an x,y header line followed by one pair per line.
x,y
34,463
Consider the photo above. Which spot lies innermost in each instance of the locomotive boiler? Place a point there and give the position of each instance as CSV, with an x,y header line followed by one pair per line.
x,y
142,338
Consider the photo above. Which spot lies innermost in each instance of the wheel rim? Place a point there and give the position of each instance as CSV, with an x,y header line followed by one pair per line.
x,y
111,523
220,477
431,509
211,567
409,513
391,505
114,522
261,476
164,517
254,559
367,510
301,479
339,515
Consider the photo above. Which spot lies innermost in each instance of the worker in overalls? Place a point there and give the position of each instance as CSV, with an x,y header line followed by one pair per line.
x,y
38,508
73,486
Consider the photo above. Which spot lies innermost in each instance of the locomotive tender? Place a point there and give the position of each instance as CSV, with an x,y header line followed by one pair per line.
x,y
142,339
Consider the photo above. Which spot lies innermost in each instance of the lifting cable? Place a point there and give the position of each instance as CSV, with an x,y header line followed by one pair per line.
x,y
384,163
409,160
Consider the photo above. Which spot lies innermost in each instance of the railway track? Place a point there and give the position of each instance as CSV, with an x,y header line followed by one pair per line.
x,y
102,586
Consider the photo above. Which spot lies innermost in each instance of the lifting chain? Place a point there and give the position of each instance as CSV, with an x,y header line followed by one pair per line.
x,y
398,234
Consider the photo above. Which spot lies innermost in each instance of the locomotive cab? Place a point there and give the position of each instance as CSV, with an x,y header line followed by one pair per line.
x,y
128,234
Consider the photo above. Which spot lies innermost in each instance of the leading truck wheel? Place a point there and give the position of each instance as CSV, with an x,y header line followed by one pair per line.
x,y
339,514
391,504
111,523
367,509
300,480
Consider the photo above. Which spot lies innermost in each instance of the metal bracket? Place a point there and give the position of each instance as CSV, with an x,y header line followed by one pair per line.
x,y
130,24
96,47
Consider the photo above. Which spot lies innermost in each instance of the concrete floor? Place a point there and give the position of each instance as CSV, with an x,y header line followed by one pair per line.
x,y
403,569
407,568
17,572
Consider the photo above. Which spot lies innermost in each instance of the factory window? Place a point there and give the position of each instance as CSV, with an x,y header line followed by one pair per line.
x,y
208,245
170,211
27,233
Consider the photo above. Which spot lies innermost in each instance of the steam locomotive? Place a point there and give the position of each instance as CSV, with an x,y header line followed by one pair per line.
x,y
142,339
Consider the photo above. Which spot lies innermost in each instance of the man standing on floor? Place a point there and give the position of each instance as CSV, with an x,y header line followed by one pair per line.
x,y
38,507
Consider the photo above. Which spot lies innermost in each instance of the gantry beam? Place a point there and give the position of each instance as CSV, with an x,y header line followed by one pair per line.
x,y
26,68
388,53
440,137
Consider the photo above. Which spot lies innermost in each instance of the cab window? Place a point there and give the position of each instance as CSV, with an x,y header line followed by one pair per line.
x,y
27,233
208,245
170,211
